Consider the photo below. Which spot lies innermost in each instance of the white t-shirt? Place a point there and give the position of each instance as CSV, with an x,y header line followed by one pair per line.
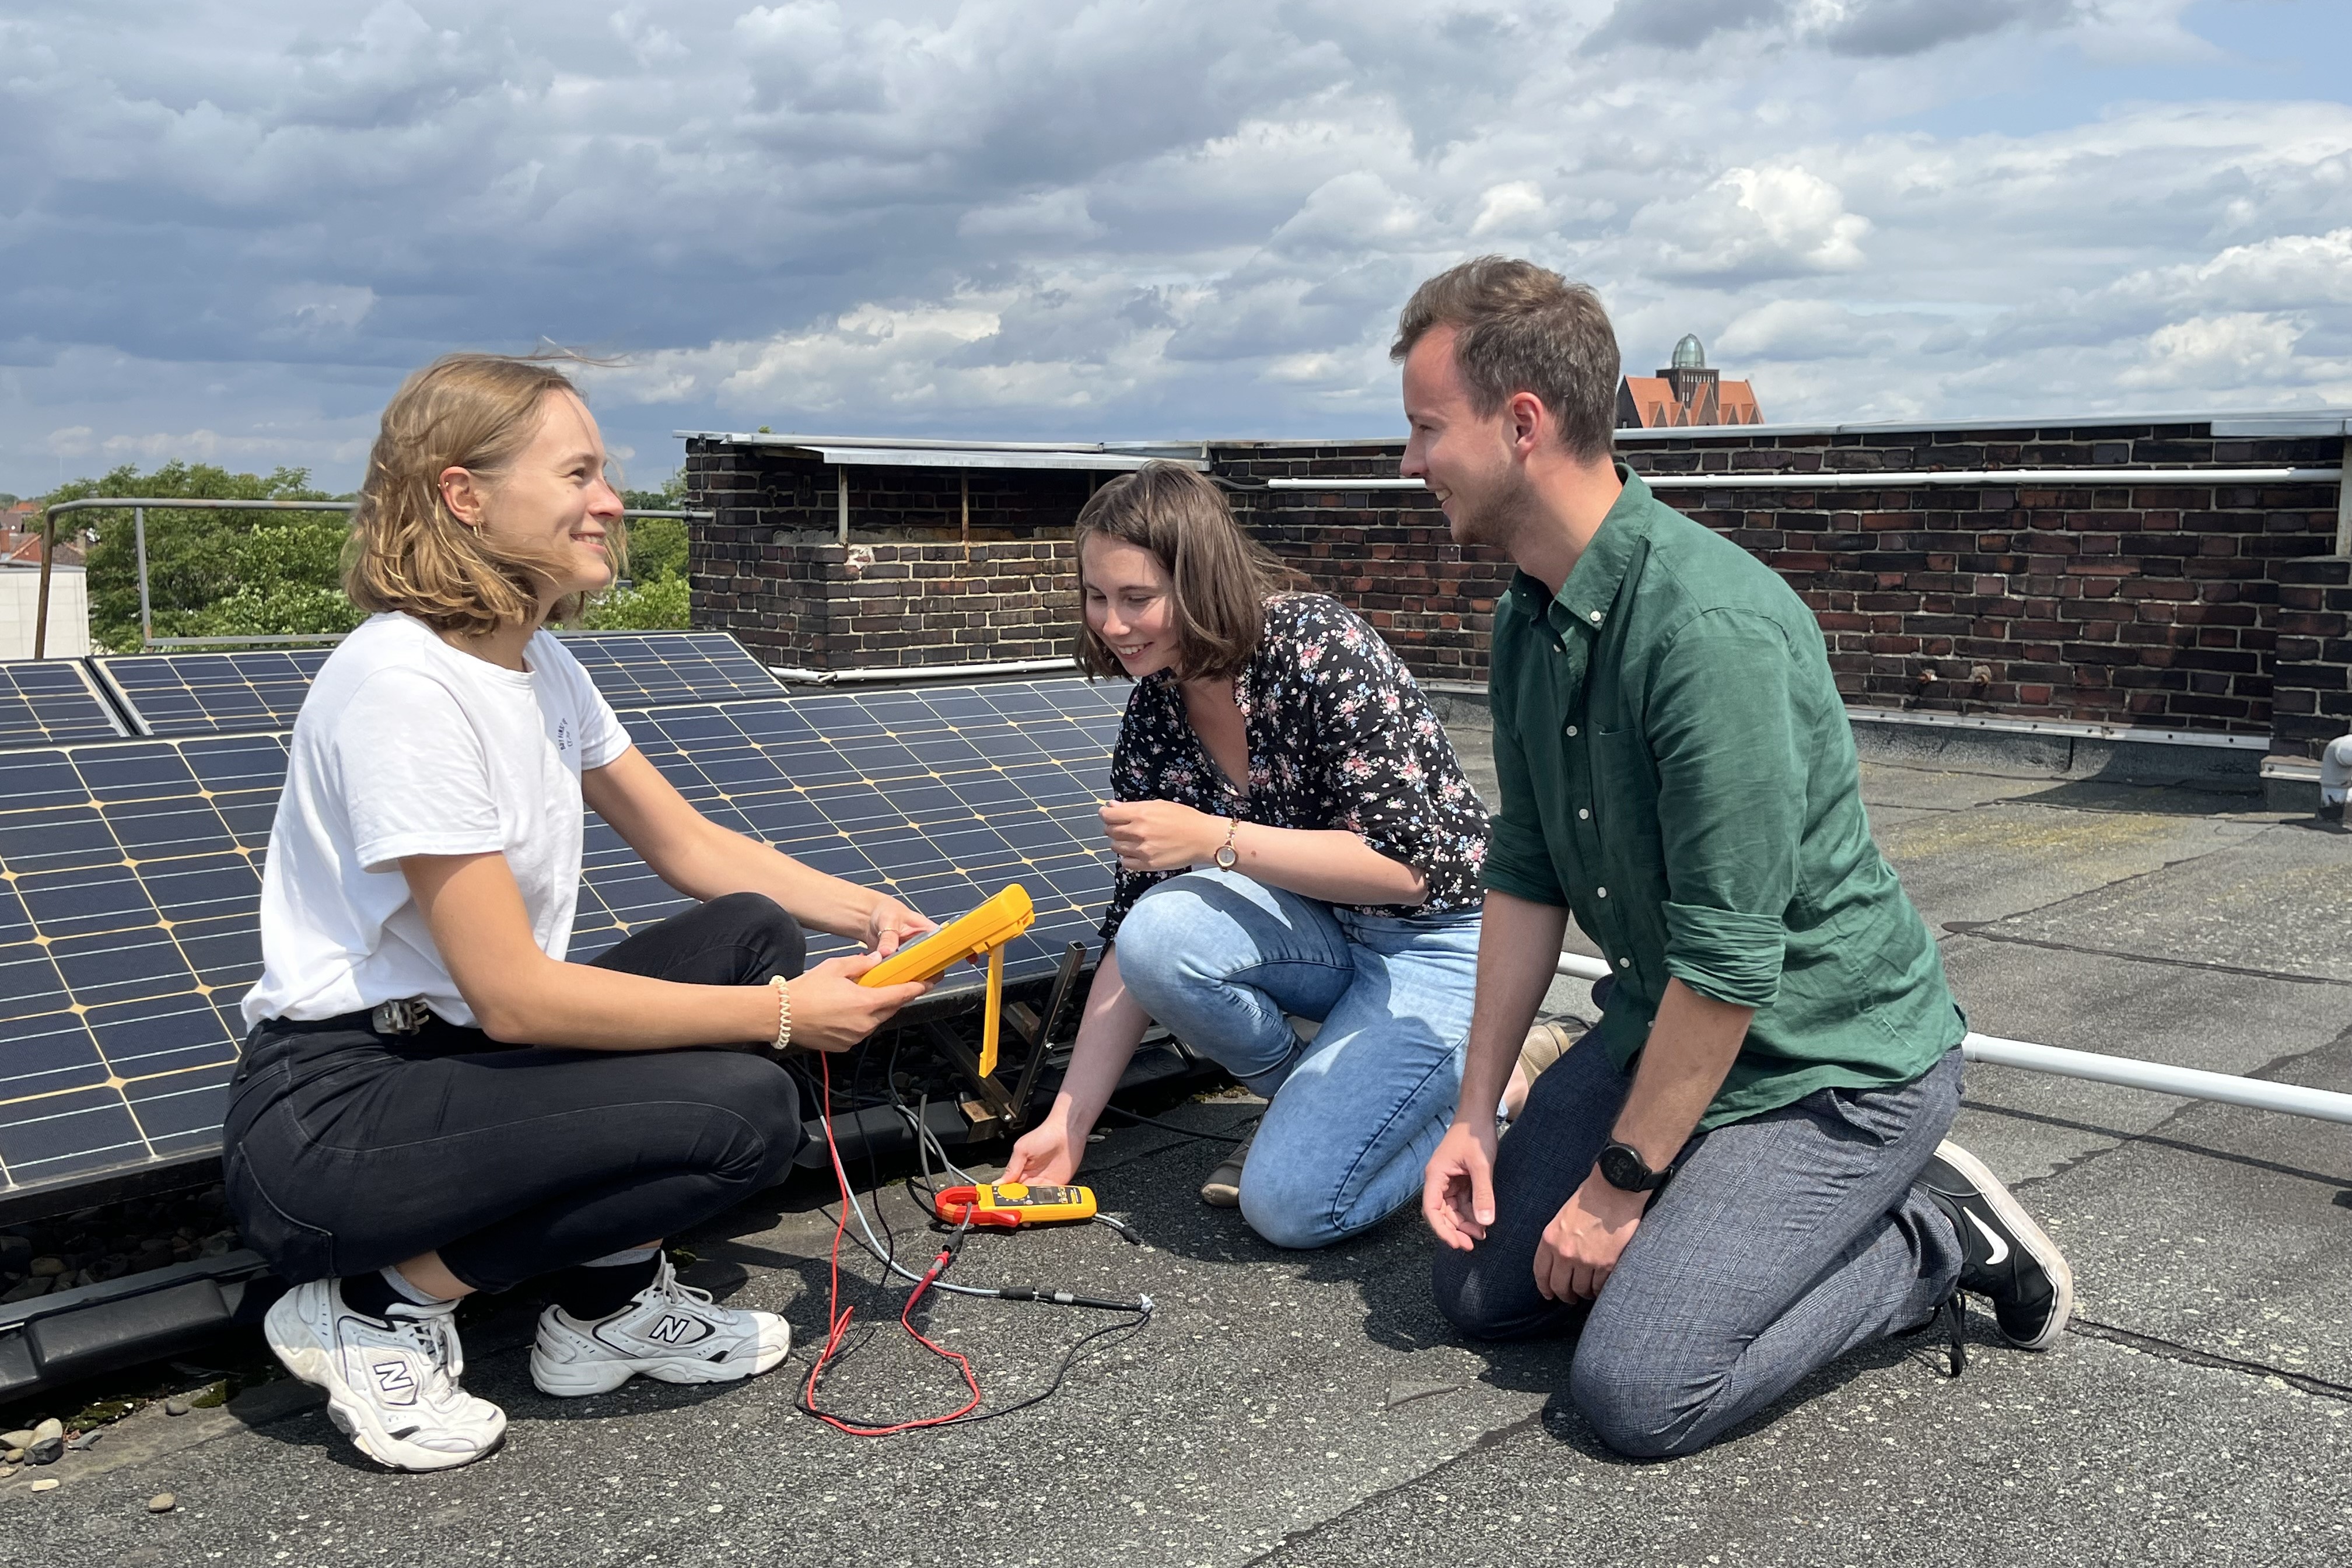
x,y
407,746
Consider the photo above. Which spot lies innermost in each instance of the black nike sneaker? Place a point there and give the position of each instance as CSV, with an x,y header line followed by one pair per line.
x,y
2005,1257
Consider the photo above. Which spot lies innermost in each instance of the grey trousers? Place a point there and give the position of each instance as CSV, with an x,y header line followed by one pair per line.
x,y
1783,1243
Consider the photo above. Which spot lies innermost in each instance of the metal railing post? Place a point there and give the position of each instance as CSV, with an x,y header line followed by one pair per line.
x,y
146,616
2344,502
41,611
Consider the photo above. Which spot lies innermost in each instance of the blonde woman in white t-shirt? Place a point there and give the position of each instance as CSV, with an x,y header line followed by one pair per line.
x,y
431,1101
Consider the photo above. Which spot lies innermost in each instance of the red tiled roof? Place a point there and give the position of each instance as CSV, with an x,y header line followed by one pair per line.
x,y
1650,403
23,547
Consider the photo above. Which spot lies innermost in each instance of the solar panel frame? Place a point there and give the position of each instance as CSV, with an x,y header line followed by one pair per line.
x,y
53,702
130,874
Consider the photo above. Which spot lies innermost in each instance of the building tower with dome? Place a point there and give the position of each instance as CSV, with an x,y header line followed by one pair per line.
x,y
1686,392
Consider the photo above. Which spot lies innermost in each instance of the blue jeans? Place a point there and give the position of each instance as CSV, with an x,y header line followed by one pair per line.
x,y
1219,960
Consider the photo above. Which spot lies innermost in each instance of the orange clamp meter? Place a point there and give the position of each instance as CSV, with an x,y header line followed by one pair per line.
x,y
1006,1204
982,932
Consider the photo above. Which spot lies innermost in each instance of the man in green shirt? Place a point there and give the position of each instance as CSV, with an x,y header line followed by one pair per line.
x,y
1736,1177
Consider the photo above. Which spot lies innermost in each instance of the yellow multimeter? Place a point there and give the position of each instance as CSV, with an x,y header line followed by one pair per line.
x,y
1005,1205
985,931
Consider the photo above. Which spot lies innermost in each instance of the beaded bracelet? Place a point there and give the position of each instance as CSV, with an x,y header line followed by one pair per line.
x,y
784,1013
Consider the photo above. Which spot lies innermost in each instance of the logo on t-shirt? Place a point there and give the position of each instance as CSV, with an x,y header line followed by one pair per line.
x,y
562,735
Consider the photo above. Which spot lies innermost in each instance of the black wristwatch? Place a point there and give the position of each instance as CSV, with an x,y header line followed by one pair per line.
x,y
1622,1167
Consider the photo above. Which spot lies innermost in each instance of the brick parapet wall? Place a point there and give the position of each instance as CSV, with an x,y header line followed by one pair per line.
x,y
2134,605
908,590
2311,700
1388,554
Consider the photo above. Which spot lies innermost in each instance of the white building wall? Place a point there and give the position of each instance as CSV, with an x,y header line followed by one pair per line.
x,y
20,598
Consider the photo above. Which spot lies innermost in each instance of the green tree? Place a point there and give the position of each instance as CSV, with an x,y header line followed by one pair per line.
x,y
212,574
658,599
233,574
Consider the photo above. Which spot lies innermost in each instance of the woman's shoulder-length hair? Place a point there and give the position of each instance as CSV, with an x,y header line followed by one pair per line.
x,y
1221,577
407,552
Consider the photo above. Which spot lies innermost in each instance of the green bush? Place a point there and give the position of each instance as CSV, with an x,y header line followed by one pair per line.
x,y
656,549
661,605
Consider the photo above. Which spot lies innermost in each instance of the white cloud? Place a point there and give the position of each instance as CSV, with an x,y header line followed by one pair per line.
x,y
1159,216
1753,224
2242,349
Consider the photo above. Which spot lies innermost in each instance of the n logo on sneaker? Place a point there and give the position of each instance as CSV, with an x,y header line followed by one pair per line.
x,y
670,1330
1999,1243
392,1380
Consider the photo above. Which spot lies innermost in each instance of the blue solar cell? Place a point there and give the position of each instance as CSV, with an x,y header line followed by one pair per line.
x,y
130,877
50,701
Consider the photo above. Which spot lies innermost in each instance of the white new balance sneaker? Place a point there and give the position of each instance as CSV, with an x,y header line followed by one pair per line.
x,y
669,1330
391,1383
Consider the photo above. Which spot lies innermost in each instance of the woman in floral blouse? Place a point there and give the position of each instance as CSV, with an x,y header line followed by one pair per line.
x,y
1295,841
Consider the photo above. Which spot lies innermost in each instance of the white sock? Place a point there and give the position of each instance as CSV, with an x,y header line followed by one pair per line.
x,y
626,1256
409,1293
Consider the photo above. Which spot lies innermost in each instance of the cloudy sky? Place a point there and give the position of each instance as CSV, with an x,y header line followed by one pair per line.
x,y
231,227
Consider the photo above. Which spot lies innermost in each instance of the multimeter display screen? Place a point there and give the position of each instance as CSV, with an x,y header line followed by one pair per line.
x,y
1035,1197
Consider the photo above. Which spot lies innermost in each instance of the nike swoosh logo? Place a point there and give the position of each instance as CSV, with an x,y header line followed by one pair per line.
x,y
2000,1246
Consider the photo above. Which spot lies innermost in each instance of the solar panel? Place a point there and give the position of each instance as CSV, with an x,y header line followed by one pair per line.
x,y
648,669
45,701
129,876
250,690
940,796
129,880
214,693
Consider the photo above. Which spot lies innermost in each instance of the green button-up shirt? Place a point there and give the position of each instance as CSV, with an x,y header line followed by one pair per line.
x,y
1678,770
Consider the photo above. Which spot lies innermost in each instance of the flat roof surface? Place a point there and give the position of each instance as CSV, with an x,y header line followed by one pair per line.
x,y
1314,1409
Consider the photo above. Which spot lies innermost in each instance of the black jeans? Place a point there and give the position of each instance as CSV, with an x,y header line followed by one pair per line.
x,y
345,1150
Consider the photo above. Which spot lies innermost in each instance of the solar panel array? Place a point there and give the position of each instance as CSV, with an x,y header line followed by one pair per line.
x,y
129,874
646,669
212,693
230,693
48,701
939,796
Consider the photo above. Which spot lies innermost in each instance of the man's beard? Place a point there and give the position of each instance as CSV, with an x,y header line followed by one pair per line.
x,y
1496,517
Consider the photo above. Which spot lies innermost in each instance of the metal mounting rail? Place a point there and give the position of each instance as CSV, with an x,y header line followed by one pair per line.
x,y
2124,1072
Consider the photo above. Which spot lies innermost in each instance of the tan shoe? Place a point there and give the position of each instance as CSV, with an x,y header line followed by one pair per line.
x,y
1222,1190
1546,1044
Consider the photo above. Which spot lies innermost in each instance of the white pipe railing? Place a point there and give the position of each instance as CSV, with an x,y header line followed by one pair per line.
x,y
2124,1072
1843,480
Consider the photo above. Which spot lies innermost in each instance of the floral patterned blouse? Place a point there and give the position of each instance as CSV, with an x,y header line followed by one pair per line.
x,y
1339,737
